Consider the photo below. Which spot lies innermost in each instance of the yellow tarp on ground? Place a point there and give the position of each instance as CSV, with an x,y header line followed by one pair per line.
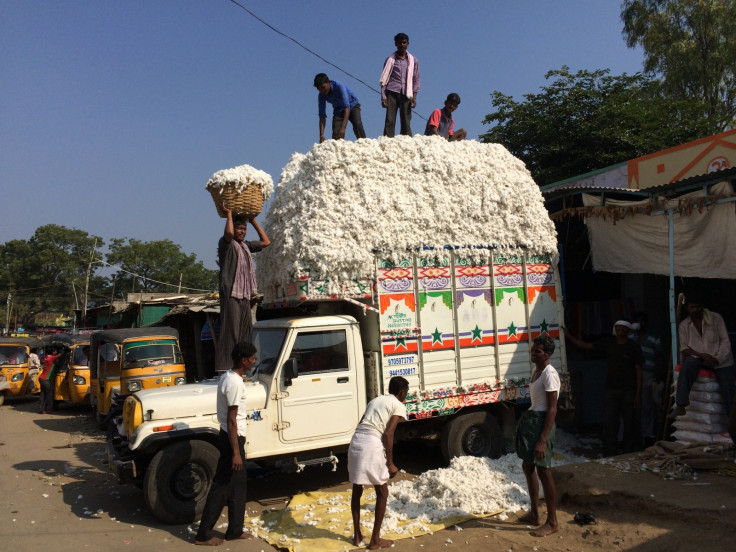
x,y
321,522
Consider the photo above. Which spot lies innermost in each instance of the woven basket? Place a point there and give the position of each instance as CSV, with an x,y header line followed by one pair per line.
x,y
247,202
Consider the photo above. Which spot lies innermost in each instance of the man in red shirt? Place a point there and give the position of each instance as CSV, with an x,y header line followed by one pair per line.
x,y
46,381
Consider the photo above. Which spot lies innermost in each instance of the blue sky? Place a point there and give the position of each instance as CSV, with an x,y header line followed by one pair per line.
x,y
114,114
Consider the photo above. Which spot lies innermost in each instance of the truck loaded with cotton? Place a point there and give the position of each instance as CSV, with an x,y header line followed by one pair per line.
x,y
418,257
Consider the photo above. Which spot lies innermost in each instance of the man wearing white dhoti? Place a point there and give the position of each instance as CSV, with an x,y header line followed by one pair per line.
x,y
370,456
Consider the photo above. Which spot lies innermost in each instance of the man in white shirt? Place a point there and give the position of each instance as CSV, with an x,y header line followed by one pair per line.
x,y
704,343
229,483
370,456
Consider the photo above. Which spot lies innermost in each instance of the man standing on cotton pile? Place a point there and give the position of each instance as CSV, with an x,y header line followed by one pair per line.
x,y
399,86
370,456
535,435
345,104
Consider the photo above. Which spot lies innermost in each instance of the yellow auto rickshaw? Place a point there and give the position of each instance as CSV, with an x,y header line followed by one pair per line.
x,y
17,377
127,360
71,379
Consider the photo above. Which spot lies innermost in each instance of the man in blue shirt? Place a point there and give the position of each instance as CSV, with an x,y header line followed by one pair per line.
x,y
345,108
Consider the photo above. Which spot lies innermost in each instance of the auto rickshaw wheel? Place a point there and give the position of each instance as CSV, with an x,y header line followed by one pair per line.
x,y
178,479
100,420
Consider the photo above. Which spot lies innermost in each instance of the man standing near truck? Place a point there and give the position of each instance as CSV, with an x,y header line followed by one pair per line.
x,y
535,436
370,456
229,483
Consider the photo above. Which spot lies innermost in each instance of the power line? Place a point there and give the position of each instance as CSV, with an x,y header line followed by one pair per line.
x,y
14,291
146,279
315,54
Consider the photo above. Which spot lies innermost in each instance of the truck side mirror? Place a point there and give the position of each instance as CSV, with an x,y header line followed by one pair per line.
x,y
291,371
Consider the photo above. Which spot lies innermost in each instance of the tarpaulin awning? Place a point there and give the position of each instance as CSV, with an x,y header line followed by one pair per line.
x,y
624,239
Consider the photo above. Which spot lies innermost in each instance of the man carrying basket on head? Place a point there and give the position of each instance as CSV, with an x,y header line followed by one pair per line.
x,y
237,284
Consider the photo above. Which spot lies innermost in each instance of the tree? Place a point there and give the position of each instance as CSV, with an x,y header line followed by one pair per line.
x,y
692,45
590,120
47,272
157,266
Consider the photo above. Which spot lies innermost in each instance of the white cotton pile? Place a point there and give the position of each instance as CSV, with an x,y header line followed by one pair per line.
x,y
241,177
469,485
337,204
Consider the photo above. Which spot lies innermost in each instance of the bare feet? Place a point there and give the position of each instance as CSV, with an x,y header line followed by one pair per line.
x,y
530,518
243,535
358,539
544,530
214,541
382,543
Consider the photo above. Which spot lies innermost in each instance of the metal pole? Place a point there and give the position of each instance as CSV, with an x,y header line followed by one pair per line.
x,y
179,290
86,283
673,307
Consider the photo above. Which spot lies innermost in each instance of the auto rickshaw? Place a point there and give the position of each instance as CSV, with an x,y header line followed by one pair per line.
x,y
71,380
14,369
127,360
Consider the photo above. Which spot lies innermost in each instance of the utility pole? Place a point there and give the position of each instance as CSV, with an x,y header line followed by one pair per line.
x,y
7,313
86,283
76,304
179,290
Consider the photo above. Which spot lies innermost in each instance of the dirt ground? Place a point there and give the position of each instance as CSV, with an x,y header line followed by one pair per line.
x,y
56,495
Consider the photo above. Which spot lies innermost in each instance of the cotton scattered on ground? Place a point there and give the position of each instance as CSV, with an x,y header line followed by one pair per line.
x,y
435,499
342,201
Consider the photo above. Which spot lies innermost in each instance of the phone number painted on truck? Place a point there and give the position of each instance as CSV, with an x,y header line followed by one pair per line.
x,y
404,362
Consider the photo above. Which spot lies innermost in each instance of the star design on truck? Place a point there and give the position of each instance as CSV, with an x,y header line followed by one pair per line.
x,y
512,330
544,327
436,336
476,334
401,342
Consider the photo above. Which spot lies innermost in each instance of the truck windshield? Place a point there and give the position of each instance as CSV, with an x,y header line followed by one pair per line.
x,y
268,342
13,354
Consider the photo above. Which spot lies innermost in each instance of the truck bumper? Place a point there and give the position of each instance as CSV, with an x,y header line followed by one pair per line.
x,y
119,463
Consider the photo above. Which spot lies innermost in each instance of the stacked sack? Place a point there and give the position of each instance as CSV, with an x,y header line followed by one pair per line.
x,y
705,418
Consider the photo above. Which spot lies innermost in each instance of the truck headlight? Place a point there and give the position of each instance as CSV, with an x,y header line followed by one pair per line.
x,y
180,381
18,376
134,385
79,380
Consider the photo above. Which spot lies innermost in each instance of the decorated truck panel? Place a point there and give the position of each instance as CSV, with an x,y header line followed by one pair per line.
x,y
459,330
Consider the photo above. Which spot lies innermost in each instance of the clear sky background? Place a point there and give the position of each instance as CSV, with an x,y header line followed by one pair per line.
x,y
114,114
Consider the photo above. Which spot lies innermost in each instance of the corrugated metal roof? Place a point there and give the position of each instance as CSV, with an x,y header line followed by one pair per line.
x,y
674,188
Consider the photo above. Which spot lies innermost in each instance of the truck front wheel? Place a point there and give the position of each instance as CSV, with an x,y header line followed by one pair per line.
x,y
178,479
471,434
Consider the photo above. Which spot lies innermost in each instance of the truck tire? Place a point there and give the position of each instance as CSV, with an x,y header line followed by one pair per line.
x,y
178,479
471,434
